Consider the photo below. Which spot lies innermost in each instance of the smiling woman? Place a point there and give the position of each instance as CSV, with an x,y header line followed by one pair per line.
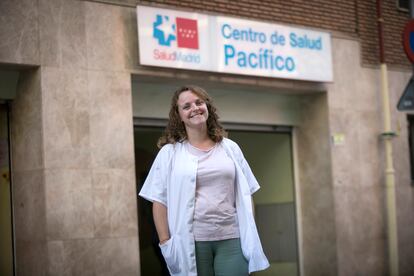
x,y
194,184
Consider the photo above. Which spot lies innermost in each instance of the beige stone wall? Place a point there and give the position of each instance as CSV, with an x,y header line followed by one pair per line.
x,y
74,180
317,219
355,110
19,32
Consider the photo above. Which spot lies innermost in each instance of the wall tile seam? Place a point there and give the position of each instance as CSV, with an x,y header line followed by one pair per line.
x,y
28,170
118,70
92,169
93,238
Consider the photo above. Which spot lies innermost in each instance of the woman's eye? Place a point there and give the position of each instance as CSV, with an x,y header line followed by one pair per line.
x,y
186,107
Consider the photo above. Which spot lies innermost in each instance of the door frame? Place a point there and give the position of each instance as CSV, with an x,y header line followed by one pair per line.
x,y
158,122
7,104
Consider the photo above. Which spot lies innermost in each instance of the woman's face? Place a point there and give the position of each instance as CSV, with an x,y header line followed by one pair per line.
x,y
192,109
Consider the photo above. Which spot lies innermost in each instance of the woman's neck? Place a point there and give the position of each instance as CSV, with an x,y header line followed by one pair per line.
x,y
199,139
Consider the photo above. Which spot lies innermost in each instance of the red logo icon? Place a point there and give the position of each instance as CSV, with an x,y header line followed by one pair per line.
x,y
187,33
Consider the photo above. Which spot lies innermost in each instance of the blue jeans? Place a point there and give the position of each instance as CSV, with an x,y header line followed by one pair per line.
x,y
220,258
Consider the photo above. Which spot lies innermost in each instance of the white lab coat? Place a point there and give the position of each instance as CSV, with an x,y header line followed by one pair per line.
x,y
172,182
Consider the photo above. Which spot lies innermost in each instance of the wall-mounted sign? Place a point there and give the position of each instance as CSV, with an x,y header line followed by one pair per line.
x,y
406,101
176,39
408,40
338,139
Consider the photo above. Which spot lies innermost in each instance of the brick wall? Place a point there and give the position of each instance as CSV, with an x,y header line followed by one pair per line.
x,y
355,18
326,14
393,26
394,21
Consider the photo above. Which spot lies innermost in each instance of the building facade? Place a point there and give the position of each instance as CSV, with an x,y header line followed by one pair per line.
x,y
77,107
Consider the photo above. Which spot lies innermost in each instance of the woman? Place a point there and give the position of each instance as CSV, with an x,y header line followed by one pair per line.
x,y
201,187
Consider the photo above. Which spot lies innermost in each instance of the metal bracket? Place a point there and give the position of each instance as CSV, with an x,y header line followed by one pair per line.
x,y
389,134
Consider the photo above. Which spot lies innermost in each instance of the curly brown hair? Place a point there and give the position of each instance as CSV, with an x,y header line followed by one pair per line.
x,y
175,130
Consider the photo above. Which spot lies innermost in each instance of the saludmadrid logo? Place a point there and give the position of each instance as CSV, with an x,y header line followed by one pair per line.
x,y
173,35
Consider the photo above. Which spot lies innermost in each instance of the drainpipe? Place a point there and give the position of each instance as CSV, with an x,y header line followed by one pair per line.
x,y
387,135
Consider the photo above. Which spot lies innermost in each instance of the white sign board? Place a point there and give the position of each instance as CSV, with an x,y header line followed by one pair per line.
x,y
175,39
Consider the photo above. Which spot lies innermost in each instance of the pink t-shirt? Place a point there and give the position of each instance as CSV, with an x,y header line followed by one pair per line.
x,y
215,216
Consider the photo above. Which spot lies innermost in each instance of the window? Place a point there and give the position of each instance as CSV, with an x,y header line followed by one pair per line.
x,y
410,119
403,5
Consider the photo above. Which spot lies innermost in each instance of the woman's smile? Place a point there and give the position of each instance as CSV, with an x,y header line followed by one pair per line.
x,y
192,110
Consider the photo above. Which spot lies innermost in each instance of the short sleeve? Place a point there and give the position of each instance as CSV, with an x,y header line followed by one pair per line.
x,y
155,185
251,179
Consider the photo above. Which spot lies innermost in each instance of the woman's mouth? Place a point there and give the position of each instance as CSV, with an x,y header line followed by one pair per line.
x,y
192,116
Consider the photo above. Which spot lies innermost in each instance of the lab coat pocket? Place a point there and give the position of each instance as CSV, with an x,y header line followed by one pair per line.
x,y
170,253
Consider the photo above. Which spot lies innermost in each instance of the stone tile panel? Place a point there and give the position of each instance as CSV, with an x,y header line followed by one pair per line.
x,y
62,33
111,126
31,258
315,179
111,37
115,203
94,257
69,204
66,118
29,205
361,233
72,257
19,31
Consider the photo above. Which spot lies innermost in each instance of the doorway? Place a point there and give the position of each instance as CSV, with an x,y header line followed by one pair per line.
x,y
6,223
151,260
269,154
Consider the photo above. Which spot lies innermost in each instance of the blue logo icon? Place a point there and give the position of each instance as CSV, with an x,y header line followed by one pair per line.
x,y
164,30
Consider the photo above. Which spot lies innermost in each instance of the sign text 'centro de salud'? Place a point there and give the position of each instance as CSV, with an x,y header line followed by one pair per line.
x,y
194,41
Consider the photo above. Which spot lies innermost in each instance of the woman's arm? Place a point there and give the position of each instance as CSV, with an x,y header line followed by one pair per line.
x,y
159,212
